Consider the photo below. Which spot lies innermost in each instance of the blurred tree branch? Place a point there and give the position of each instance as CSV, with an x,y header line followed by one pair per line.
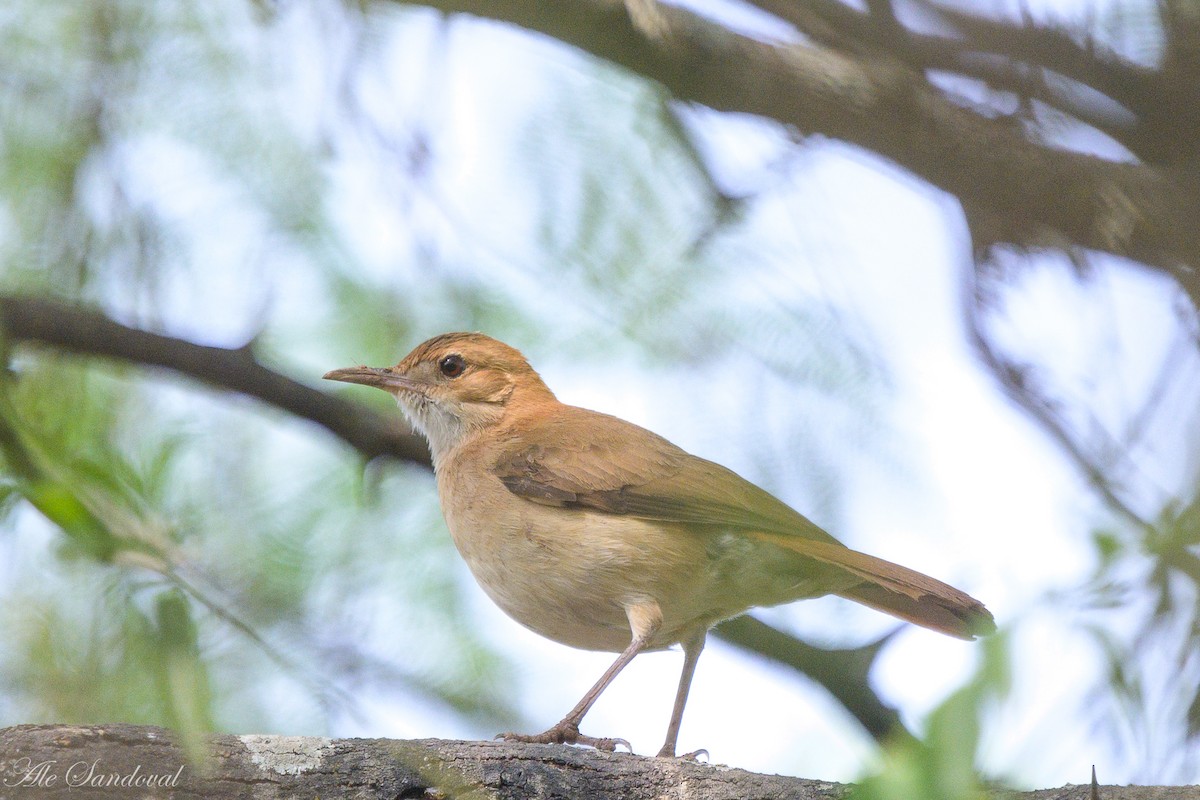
x,y
81,330
844,673
863,80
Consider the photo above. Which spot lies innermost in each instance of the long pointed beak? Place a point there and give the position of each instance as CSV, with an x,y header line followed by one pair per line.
x,y
379,377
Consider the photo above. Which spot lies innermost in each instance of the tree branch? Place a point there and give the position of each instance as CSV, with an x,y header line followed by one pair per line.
x,y
843,673
834,23
100,762
88,332
307,766
1043,196
1054,49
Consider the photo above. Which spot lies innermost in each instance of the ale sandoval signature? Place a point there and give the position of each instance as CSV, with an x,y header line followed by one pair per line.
x,y
24,772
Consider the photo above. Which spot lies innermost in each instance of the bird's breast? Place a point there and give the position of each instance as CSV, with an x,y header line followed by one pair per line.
x,y
569,573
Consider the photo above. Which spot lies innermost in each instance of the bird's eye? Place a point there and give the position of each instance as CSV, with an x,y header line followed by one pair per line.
x,y
452,366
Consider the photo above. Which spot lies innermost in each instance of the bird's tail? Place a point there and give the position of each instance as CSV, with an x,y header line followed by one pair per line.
x,y
894,589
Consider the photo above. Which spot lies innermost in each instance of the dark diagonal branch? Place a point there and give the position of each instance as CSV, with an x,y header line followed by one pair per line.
x,y
843,673
1007,57
1054,49
88,332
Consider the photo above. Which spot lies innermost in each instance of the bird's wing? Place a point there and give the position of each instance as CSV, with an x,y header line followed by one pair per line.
x,y
624,469
584,459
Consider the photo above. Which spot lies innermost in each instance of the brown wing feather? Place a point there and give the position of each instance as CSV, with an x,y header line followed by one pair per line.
x,y
620,468
625,469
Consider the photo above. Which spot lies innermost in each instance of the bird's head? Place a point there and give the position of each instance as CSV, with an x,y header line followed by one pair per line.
x,y
454,385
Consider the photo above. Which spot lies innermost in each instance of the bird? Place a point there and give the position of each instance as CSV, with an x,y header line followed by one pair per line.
x,y
601,535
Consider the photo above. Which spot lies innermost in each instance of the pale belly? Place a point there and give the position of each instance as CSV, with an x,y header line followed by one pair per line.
x,y
570,574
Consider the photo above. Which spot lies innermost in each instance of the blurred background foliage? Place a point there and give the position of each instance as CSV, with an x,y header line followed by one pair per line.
x,y
329,184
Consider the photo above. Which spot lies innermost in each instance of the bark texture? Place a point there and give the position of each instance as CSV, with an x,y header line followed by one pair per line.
x,y
49,761
109,761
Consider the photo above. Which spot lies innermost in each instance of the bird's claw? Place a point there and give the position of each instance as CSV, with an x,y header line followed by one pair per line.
x,y
609,745
692,756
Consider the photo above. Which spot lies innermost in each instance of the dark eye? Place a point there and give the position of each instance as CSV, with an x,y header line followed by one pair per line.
x,y
452,366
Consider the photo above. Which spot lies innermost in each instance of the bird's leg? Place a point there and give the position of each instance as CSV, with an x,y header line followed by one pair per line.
x,y
567,730
644,620
691,654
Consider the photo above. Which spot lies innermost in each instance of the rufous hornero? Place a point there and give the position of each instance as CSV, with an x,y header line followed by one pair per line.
x,y
601,535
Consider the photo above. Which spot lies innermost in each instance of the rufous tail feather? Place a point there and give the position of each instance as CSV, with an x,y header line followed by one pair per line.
x,y
894,589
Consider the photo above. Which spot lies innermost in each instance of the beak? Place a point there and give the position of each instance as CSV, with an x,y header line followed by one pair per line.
x,y
379,377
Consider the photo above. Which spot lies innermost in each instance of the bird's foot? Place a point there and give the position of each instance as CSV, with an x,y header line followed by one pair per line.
x,y
669,752
566,732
